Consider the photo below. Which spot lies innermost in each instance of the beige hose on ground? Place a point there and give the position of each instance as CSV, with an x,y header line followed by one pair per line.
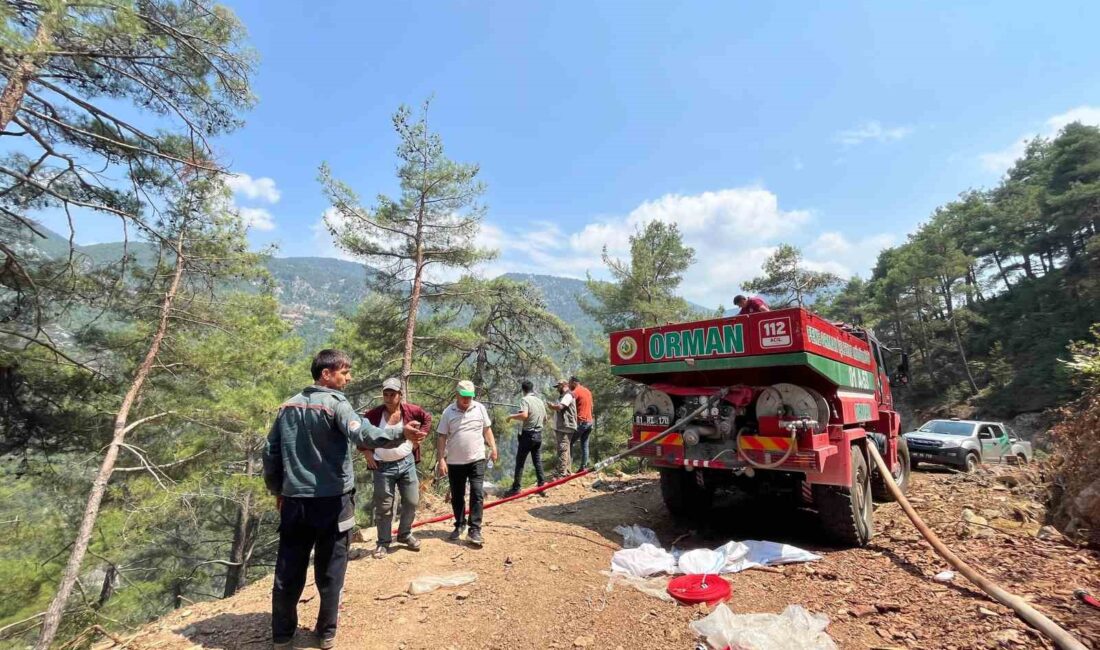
x,y
1029,614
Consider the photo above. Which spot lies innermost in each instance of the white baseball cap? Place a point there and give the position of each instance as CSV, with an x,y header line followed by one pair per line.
x,y
393,383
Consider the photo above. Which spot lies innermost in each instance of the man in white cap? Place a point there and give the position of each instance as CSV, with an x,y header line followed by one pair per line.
x,y
395,469
465,429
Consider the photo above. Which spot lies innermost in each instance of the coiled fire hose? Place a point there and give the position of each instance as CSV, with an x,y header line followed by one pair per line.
x,y
598,467
1029,614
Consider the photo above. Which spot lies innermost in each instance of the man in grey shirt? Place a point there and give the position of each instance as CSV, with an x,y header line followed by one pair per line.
x,y
308,468
565,426
532,417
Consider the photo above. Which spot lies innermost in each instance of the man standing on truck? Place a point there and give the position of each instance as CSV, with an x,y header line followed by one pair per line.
x,y
307,466
565,426
754,305
583,396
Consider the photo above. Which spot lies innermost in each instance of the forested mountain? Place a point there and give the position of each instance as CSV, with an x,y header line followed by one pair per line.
x,y
313,291
990,290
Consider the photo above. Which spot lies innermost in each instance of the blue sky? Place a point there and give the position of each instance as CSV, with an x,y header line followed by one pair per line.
x,y
834,126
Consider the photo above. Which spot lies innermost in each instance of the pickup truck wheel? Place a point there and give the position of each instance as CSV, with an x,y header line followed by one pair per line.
x,y
846,513
1021,459
682,494
972,463
902,474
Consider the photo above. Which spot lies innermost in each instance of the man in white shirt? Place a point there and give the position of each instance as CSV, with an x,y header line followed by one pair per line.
x,y
465,429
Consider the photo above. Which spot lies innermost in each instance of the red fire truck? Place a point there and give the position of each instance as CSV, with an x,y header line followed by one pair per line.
x,y
805,397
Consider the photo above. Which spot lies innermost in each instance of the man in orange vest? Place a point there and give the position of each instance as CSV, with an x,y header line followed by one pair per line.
x,y
584,417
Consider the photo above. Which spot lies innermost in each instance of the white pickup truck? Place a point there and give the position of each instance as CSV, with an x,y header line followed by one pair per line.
x,y
965,444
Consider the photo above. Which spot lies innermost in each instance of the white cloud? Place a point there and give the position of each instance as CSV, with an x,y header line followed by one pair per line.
x,y
1001,161
835,253
732,231
872,130
1083,114
257,218
324,244
262,189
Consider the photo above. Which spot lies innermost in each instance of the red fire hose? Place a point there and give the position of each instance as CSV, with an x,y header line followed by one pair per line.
x,y
492,504
598,467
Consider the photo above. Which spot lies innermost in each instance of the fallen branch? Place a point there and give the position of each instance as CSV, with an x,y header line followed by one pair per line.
x,y
26,620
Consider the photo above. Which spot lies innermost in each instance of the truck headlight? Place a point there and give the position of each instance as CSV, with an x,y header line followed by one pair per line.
x,y
950,444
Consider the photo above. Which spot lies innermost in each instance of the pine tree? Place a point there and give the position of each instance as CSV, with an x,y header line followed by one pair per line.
x,y
432,226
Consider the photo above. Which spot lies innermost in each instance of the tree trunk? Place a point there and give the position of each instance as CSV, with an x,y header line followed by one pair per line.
x,y
414,297
12,96
410,324
1029,271
959,347
52,620
235,573
925,349
1001,272
962,356
108,588
971,286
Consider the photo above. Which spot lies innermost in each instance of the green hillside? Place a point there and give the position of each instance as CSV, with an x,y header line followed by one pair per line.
x,y
313,291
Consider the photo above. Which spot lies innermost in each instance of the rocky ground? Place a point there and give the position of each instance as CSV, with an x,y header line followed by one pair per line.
x,y
539,581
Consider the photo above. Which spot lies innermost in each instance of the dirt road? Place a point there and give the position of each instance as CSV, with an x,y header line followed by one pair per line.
x,y
539,583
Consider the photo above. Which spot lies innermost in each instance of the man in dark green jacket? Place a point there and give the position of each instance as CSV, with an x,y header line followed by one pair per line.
x,y
308,467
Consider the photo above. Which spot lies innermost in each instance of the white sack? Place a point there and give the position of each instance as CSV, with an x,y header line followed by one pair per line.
x,y
644,561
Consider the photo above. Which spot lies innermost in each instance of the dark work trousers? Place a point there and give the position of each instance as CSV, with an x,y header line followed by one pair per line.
x,y
584,429
459,475
321,525
530,442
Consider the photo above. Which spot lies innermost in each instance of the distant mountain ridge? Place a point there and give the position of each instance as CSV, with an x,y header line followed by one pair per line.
x,y
313,291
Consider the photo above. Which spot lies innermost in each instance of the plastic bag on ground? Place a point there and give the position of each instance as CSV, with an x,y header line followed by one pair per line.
x,y
794,629
425,584
644,561
753,552
635,535
702,560
656,587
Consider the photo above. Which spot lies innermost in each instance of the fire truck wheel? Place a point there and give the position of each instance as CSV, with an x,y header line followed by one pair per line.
x,y
682,494
846,513
901,475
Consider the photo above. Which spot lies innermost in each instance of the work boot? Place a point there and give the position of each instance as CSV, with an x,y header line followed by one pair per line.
x,y
456,534
510,493
412,543
283,645
475,538
381,551
327,642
